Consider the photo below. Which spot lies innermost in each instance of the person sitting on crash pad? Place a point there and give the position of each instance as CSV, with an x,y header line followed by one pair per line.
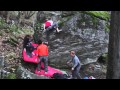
x,y
27,44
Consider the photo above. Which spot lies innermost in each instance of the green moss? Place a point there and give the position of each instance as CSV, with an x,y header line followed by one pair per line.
x,y
107,28
11,76
13,28
61,23
105,56
104,15
3,23
95,21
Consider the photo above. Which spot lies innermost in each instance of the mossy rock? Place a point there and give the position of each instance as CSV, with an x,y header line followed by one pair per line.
x,y
10,76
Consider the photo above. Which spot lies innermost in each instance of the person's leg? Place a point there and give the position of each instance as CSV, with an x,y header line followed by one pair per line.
x,y
31,48
48,32
46,63
46,36
73,74
55,25
77,72
49,28
28,51
39,64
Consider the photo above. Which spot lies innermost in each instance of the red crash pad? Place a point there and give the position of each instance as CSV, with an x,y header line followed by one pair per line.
x,y
50,72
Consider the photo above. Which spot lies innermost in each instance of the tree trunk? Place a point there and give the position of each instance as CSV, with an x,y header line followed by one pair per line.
x,y
113,67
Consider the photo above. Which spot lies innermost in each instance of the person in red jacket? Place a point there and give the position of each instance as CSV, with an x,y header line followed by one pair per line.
x,y
42,51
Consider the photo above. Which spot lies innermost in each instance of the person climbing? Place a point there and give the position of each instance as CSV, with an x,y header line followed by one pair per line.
x,y
42,51
49,26
76,65
27,44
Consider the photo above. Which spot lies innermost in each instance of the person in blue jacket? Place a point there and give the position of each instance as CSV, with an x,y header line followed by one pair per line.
x,y
76,65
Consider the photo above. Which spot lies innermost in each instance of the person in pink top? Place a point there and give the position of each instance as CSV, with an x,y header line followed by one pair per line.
x,y
49,26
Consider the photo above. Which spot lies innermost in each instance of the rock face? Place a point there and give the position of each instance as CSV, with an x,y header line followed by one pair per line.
x,y
84,34
23,73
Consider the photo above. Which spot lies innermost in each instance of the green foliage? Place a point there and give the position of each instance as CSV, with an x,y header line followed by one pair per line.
x,y
38,28
26,31
95,21
105,15
11,76
13,41
105,58
107,28
61,23
2,23
13,28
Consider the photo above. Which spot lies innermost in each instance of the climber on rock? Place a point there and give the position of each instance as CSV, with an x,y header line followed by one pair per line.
x,y
49,26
